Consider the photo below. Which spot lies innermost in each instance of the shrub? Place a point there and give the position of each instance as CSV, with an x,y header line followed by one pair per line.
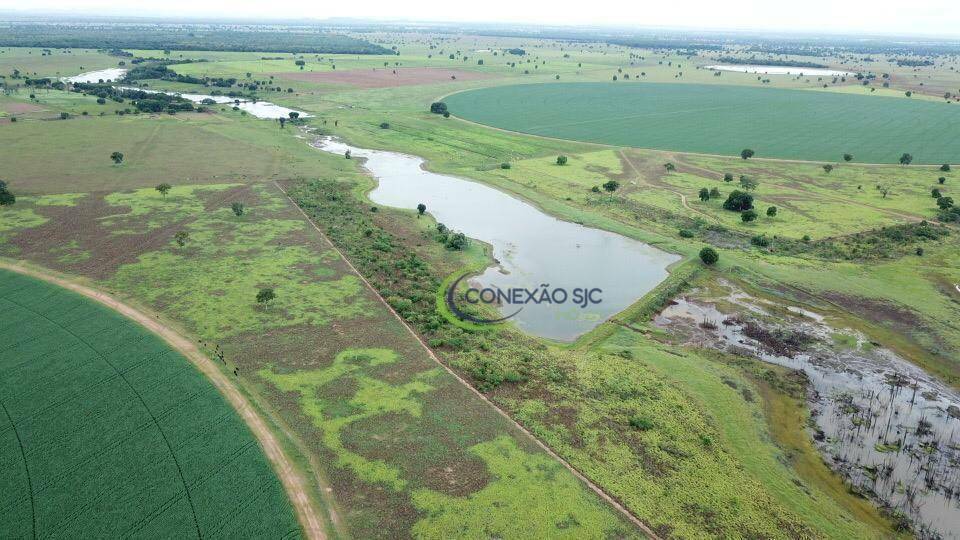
x,y
438,107
728,177
505,165
384,125
748,216
686,233
760,240
640,423
945,167
611,185
772,211
709,256
561,160
746,153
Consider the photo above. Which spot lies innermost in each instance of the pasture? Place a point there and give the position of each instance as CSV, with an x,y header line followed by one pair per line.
x,y
720,119
108,432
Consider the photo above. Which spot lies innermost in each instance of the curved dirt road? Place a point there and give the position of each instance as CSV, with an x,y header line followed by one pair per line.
x,y
293,483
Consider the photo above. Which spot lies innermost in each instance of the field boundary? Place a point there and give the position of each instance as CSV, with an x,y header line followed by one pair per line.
x,y
293,484
543,446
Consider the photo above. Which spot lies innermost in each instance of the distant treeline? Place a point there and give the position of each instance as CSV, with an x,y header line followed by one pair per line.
x,y
688,47
910,62
182,37
768,62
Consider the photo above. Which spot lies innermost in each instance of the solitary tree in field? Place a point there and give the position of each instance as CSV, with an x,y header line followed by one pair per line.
x,y
728,177
264,296
772,211
827,168
163,188
561,160
709,256
738,201
945,167
848,157
237,208
611,185
746,153
294,115
748,183
181,237
906,159
283,121
670,167
942,180
421,208
704,194
117,157
748,216
347,154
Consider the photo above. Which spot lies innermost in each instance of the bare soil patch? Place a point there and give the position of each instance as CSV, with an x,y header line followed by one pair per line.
x,y
386,77
21,108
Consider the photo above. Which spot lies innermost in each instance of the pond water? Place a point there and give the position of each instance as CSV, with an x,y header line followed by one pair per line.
x,y
105,75
532,249
779,70
259,109
885,425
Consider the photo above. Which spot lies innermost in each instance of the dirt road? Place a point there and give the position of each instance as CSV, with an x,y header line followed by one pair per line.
x,y
293,483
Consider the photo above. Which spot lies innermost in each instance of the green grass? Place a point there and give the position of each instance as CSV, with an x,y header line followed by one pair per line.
x,y
100,433
712,119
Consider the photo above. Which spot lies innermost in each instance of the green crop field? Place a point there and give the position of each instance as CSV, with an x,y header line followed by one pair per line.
x,y
107,432
718,119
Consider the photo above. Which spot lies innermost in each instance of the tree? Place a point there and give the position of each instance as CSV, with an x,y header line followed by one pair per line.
x,y
611,185
704,194
6,197
772,211
163,188
827,168
748,216
670,167
64,116
848,157
906,159
421,208
117,157
945,203
935,193
748,183
283,121
264,296
384,125
945,167
457,241
709,256
728,177
738,201
438,107
561,160
942,180
746,153
293,115
348,155
237,208
181,237
714,193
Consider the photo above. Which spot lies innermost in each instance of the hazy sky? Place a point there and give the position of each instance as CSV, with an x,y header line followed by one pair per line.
x,y
920,17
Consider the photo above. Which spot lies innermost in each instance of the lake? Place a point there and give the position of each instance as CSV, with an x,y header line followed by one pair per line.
x,y
532,249
105,75
779,70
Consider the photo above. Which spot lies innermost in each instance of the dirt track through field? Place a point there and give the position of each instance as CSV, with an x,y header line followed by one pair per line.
x,y
293,483
595,488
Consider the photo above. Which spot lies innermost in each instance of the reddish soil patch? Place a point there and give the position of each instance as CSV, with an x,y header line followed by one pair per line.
x,y
21,108
386,77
